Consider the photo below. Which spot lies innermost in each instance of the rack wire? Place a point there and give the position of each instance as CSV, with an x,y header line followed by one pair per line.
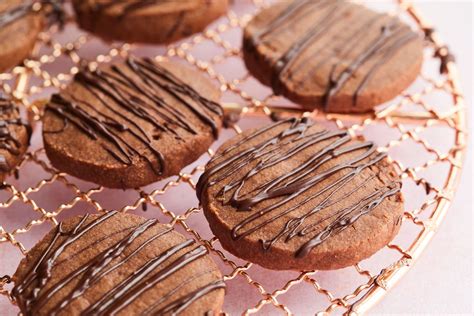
x,y
411,127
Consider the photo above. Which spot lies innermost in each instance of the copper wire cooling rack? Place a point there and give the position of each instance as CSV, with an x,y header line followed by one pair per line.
x,y
423,130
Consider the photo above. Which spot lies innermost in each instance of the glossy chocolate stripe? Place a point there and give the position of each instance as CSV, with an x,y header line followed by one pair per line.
x,y
315,32
91,270
346,219
295,9
182,303
298,188
130,98
9,140
378,46
29,289
284,188
106,261
131,288
15,13
352,42
331,14
156,305
389,53
178,89
23,9
51,291
93,127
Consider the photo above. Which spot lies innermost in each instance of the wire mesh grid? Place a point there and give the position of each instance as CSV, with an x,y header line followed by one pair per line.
x,y
409,128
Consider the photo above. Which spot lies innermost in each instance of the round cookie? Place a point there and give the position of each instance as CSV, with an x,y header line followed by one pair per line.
x,y
332,54
19,29
15,136
117,264
160,21
293,195
132,123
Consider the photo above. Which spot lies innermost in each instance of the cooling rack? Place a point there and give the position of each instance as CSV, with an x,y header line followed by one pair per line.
x,y
423,130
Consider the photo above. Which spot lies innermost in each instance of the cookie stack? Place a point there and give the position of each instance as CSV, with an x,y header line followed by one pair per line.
x,y
291,195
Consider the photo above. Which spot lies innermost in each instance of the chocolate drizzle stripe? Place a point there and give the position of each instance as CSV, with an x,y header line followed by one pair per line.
x,y
386,55
347,218
96,268
291,226
295,8
9,140
155,307
37,277
93,126
179,90
376,46
15,13
133,99
317,30
48,294
11,15
379,49
31,295
131,288
353,42
283,189
181,304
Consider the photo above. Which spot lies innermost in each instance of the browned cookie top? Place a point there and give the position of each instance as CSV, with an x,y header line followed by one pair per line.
x,y
148,21
15,136
332,54
117,264
294,195
132,123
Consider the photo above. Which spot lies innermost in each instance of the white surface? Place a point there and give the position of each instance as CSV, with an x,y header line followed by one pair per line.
x,y
440,282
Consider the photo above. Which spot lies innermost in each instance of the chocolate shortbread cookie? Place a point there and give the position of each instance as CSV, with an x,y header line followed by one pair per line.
x,y
144,21
332,54
132,123
20,23
117,264
15,136
293,195
19,29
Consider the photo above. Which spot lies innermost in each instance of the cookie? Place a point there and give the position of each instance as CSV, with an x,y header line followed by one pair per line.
x,y
20,23
293,195
117,264
333,55
19,29
143,21
15,136
132,123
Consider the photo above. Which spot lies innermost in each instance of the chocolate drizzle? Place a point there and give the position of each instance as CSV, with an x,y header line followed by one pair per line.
x,y
129,101
393,36
442,52
226,169
9,140
31,293
56,13
445,57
